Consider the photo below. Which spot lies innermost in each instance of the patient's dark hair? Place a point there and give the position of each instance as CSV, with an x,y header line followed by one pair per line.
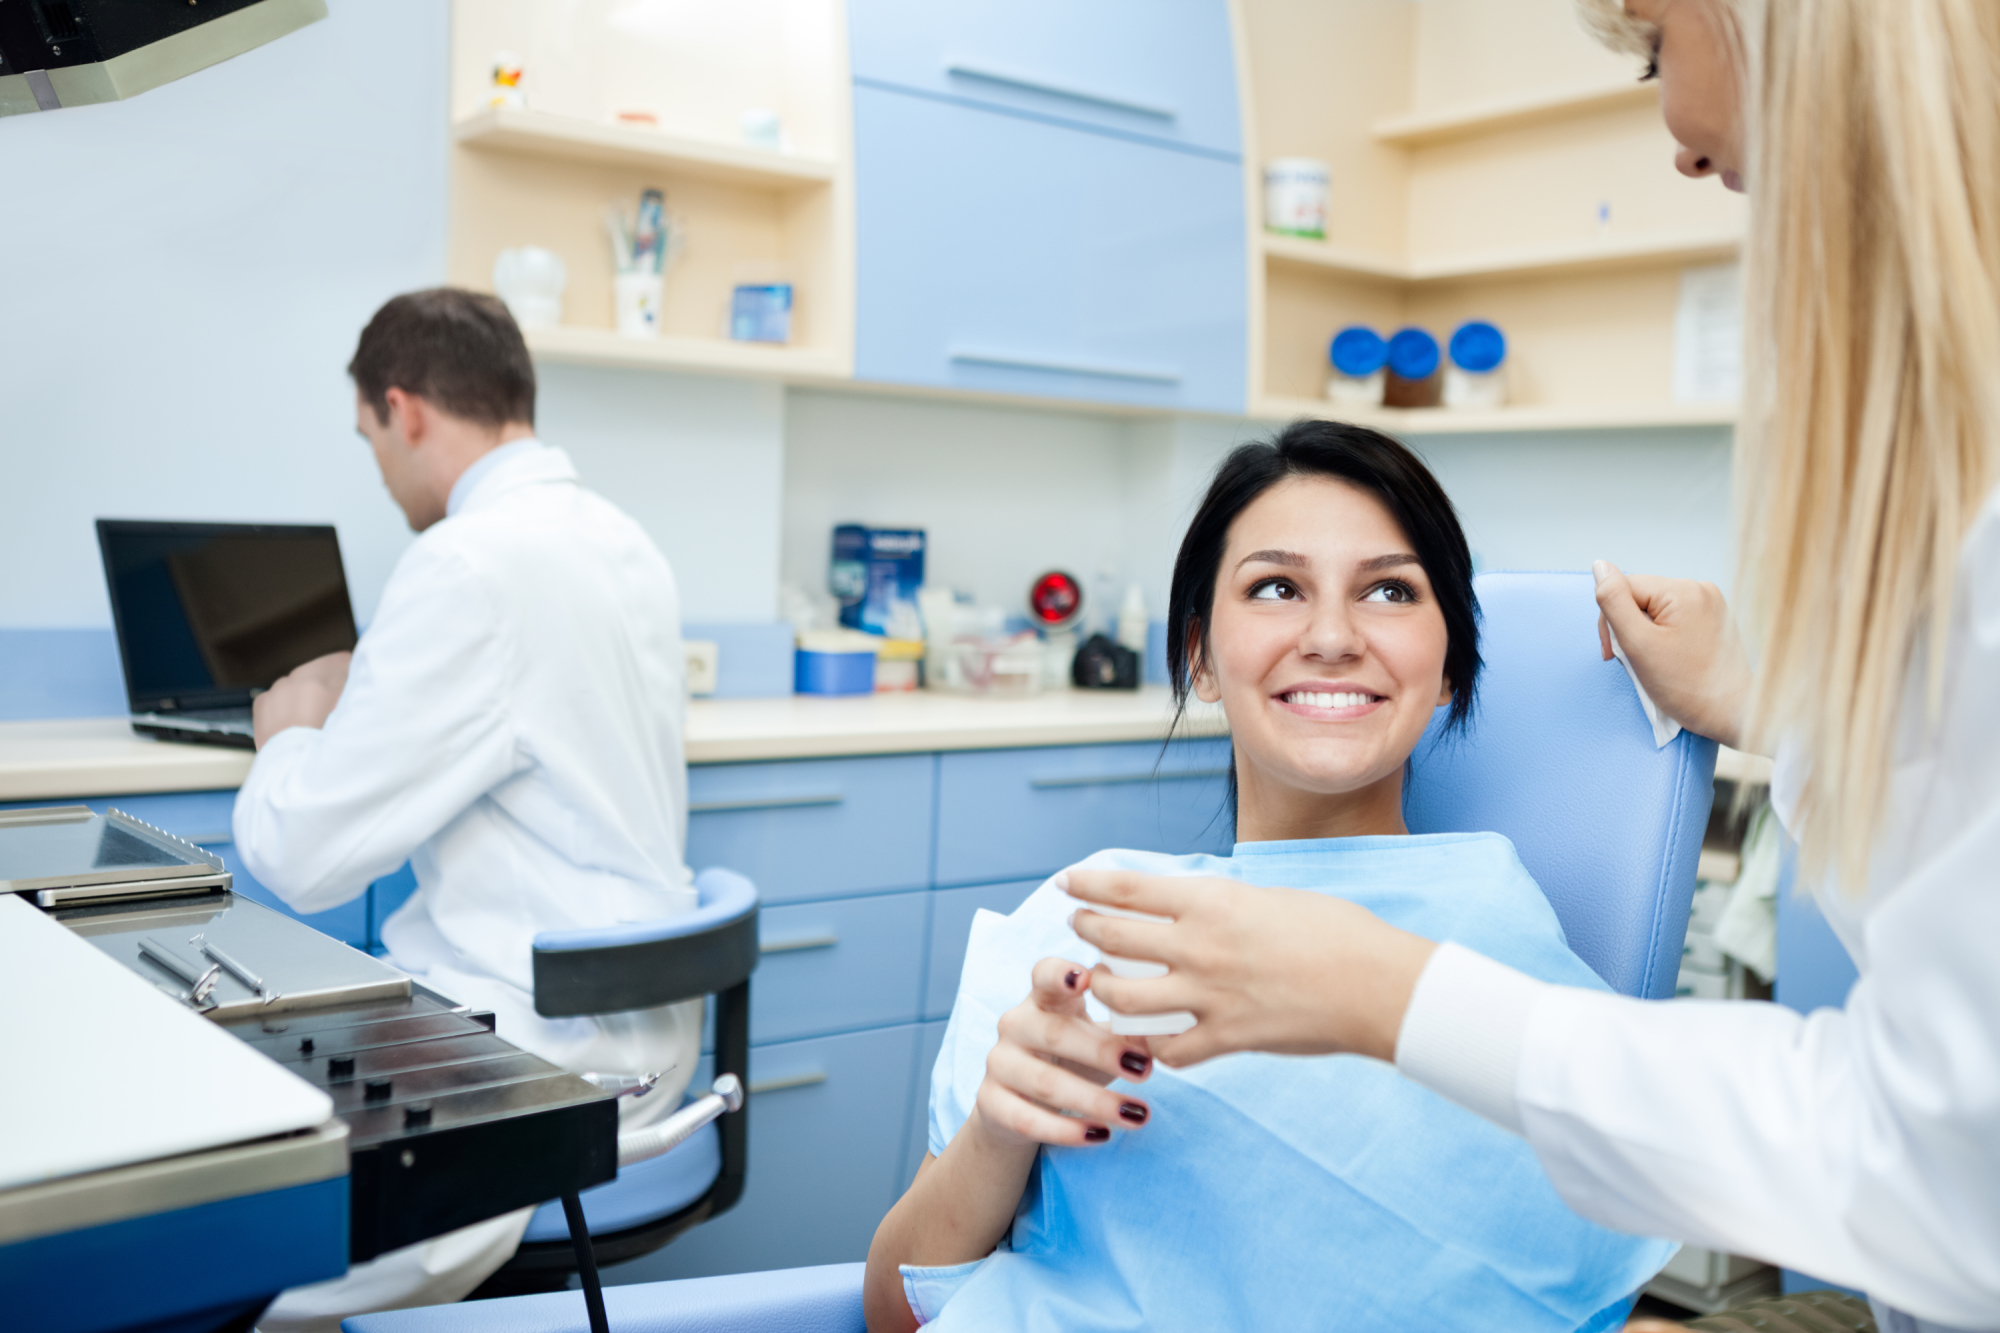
x,y
460,350
1361,457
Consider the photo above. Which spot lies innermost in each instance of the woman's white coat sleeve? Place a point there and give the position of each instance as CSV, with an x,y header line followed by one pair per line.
x,y
420,733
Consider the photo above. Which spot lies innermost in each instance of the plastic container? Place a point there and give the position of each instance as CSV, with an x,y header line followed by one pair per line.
x,y
761,314
636,303
1295,197
1360,358
835,662
1413,379
1170,1024
896,665
1000,665
531,281
1477,374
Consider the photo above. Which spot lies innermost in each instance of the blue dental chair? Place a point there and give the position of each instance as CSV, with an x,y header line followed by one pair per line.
x,y
1559,757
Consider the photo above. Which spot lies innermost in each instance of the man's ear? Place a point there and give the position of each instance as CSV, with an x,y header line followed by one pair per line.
x,y
409,415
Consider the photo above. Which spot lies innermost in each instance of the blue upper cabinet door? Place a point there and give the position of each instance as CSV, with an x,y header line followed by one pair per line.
x,y
1160,70
1002,254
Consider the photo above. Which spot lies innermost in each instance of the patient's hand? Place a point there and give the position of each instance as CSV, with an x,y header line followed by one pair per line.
x,y
303,698
1051,1060
1682,643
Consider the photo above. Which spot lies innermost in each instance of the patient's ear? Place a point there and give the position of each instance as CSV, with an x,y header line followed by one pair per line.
x,y
1206,688
1444,693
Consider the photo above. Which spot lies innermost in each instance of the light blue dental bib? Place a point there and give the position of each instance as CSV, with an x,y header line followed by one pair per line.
x,y
1287,1193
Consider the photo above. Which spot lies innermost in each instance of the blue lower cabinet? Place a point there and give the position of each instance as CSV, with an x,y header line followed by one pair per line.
x,y
1014,814
815,828
952,911
930,1040
836,966
204,818
827,1122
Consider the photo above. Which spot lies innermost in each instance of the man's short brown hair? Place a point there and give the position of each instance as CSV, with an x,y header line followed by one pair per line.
x,y
458,350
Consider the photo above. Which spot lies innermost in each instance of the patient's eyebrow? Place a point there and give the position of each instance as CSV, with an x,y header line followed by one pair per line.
x,y
1288,559
1382,562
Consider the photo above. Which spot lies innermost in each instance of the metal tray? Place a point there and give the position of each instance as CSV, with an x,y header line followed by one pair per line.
x,y
70,853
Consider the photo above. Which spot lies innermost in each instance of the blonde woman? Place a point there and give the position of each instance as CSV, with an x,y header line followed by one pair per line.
x,y
1861,1145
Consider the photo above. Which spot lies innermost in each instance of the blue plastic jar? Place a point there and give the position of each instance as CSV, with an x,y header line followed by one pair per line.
x,y
1359,356
1413,369
1477,375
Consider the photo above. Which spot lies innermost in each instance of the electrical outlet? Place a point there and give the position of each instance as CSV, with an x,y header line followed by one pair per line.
x,y
701,661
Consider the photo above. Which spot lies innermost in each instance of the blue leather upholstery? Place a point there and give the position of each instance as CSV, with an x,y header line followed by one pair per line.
x,y
641,1193
795,1300
1560,758
721,895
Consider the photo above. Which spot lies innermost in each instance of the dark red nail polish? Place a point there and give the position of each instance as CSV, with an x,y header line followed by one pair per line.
x,y
1134,1062
1096,1134
1072,978
1133,1112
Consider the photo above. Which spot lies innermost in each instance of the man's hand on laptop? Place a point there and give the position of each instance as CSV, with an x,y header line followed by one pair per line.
x,y
301,699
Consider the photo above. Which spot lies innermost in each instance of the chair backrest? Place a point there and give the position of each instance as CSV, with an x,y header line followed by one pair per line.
x,y
612,969
1559,757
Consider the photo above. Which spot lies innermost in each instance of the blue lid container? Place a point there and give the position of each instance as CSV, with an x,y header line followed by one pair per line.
x,y
1358,351
833,673
1413,355
1478,347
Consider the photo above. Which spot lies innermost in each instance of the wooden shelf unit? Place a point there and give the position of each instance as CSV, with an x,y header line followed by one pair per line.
x,y
542,175
1537,192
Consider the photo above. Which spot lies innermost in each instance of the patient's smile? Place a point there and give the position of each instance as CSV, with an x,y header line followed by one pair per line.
x,y
1331,705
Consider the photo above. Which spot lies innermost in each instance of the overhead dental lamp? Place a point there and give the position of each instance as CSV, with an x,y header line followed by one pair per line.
x,y
58,53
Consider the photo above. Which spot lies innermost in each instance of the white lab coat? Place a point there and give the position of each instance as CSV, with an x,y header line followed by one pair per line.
x,y
512,726
1859,1144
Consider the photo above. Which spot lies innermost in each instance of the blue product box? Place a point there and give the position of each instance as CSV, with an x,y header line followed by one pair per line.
x,y
761,314
875,574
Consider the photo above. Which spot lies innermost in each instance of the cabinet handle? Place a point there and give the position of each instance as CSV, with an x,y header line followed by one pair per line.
x,y
1098,370
764,803
800,943
1111,779
1029,84
794,1081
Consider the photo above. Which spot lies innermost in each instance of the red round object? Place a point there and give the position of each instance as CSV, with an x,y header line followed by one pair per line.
x,y
1056,599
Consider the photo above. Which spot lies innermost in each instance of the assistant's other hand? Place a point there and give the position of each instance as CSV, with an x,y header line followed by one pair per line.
x,y
303,698
1682,643
1279,970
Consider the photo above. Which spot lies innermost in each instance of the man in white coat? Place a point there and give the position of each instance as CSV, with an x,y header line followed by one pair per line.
x,y
510,723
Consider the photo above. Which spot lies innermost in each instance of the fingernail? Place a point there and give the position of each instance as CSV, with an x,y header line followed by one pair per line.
x,y
1597,569
1072,978
1061,880
1096,1134
1134,1062
1134,1112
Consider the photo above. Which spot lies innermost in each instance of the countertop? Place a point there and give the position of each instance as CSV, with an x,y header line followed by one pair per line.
x,y
102,756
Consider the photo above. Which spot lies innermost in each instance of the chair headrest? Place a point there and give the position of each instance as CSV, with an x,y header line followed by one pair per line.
x,y
1559,757
645,964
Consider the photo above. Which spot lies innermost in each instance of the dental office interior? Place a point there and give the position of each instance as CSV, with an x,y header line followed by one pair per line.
x,y
910,334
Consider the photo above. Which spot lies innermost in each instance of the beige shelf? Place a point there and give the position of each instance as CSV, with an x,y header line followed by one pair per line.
x,y
1419,129
1564,257
538,134
1501,421
713,356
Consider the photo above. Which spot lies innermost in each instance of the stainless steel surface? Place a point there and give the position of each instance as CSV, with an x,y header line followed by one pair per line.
x,y
306,969
234,968
140,888
67,848
51,1207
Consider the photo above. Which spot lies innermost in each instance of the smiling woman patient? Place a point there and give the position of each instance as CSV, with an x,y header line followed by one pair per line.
x,y
1323,596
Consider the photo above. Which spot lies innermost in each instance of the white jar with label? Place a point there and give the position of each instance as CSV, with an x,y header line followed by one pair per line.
x,y
1295,197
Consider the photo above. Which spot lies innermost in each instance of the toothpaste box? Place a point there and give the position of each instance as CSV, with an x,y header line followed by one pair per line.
x,y
875,574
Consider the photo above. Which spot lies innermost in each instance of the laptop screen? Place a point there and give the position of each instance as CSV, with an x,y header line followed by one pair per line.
x,y
207,613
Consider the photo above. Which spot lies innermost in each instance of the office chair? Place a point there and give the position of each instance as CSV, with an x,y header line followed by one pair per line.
x,y
1559,757
710,951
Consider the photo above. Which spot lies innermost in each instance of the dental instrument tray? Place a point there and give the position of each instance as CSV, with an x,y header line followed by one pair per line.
x,y
69,853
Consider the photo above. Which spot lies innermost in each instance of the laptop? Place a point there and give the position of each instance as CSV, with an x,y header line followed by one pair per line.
x,y
209,615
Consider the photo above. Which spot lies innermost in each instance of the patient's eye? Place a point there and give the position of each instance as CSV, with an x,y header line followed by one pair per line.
x,y
1275,590
1391,590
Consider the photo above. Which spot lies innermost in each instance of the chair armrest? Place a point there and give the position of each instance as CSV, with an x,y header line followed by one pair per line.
x,y
792,1300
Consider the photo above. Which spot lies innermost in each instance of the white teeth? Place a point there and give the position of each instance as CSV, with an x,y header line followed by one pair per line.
x,y
1324,699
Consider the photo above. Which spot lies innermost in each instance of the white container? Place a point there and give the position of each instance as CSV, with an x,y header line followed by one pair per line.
x,y
531,281
1137,969
635,301
1475,372
1295,197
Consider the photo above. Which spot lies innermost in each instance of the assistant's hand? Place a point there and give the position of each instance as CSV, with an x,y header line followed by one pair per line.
x,y
304,698
1051,1058
1279,970
1682,644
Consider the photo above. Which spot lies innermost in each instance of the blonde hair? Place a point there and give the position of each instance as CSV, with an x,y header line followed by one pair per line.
x,y
1870,432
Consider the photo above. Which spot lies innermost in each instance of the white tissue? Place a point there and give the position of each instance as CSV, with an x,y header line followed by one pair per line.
x,y
1664,727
